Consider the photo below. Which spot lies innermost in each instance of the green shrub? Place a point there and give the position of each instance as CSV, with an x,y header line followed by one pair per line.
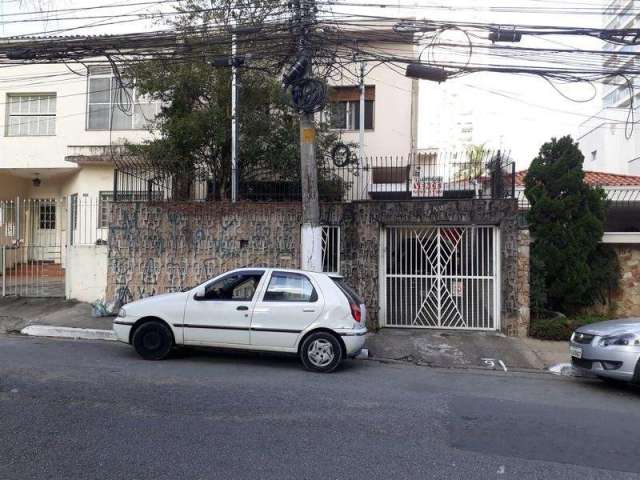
x,y
570,268
560,328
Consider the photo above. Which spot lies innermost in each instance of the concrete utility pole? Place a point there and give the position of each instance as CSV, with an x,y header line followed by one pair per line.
x,y
311,234
234,118
362,95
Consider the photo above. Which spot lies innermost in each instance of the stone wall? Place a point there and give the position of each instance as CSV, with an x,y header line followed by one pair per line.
x,y
625,301
156,248
517,319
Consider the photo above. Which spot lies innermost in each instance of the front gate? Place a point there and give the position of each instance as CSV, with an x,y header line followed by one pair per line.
x,y
32,247
441,277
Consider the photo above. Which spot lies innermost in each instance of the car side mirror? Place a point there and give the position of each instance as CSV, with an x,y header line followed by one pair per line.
x,y
200,293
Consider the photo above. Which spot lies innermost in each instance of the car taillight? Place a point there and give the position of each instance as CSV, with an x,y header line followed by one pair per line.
x,y
356,313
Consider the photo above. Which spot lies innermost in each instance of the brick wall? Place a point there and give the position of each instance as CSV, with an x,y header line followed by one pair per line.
x,y
155,248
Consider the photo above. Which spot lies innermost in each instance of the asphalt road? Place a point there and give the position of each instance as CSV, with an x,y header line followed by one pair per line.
x,y
93,410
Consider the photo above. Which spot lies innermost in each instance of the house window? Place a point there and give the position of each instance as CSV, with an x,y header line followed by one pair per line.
x,y
31,115
47,216
331,249
111,106
344,108
594,155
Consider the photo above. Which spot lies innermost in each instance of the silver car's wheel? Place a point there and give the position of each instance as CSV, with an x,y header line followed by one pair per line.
x,y
321,352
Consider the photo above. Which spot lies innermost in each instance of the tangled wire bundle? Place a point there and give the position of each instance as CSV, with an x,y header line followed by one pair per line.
x,y
309,95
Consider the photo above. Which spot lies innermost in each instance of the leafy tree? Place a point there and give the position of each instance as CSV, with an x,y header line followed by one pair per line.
x,y
571,269
193,129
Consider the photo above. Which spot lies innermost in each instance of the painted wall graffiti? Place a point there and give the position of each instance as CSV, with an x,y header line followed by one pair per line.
x,y
168,247
171,247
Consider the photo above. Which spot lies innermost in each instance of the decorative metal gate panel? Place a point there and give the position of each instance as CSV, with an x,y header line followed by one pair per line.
x,y
441,277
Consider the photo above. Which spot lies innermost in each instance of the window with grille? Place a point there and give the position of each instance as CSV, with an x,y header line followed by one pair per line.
x,y
331,249
31,115
47,216
111,106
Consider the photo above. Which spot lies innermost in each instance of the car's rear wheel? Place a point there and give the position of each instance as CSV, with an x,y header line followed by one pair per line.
x,y
321,352
152,340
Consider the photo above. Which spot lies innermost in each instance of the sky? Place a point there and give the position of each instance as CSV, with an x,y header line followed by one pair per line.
x,y
517,113
511,112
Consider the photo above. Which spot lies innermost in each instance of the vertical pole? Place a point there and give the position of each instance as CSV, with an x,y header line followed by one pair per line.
x,y
311,229
115,185
17,232
513,179
68,273
234,122
361,120
311,234
4,270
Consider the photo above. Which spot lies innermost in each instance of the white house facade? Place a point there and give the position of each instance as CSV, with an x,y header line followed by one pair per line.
x,y
62,127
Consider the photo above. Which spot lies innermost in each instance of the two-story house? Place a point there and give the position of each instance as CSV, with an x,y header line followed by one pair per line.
x,y
64,124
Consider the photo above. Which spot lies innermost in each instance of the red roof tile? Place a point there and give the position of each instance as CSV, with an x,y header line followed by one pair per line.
x,y
601,179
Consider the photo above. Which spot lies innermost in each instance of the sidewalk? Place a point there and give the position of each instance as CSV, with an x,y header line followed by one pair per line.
x,y
549,352
436,348
17,313
459,349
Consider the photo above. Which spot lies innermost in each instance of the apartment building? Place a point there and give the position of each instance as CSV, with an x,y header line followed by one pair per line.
x,y
607,140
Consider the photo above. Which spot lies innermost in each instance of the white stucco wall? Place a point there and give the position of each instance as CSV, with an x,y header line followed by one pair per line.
x,y
86,272
10,186
394,132
50,151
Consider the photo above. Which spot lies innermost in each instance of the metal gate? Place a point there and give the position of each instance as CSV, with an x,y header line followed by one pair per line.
x,y
32,239
441,277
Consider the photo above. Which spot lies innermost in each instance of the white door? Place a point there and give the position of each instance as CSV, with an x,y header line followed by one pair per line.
x,y
44,245
289,304
223,314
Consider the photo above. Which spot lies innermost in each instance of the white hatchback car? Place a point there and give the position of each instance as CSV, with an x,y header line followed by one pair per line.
x,y
315,315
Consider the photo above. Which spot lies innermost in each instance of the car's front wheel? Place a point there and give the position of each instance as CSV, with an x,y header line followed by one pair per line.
x,y
152,340
321,352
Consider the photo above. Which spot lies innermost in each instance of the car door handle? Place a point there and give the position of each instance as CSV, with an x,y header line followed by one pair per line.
x,y
242,307
308,309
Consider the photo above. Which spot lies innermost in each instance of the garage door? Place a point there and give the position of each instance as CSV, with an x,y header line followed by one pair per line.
x,y
441,277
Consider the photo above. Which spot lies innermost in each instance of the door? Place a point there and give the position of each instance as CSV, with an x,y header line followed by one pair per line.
x,y
289,304
223,314
441,277
44,244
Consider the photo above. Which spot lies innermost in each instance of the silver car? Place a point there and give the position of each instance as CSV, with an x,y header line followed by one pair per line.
x,y
610,350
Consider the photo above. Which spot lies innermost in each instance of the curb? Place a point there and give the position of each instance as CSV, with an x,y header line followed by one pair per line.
x,y
459,368
68,332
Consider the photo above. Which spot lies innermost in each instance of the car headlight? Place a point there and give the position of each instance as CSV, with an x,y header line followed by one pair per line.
x,y
624,340
122,313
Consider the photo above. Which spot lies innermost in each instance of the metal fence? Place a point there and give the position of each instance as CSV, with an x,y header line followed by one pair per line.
x,y
36,235
89,219
484,175
32,247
